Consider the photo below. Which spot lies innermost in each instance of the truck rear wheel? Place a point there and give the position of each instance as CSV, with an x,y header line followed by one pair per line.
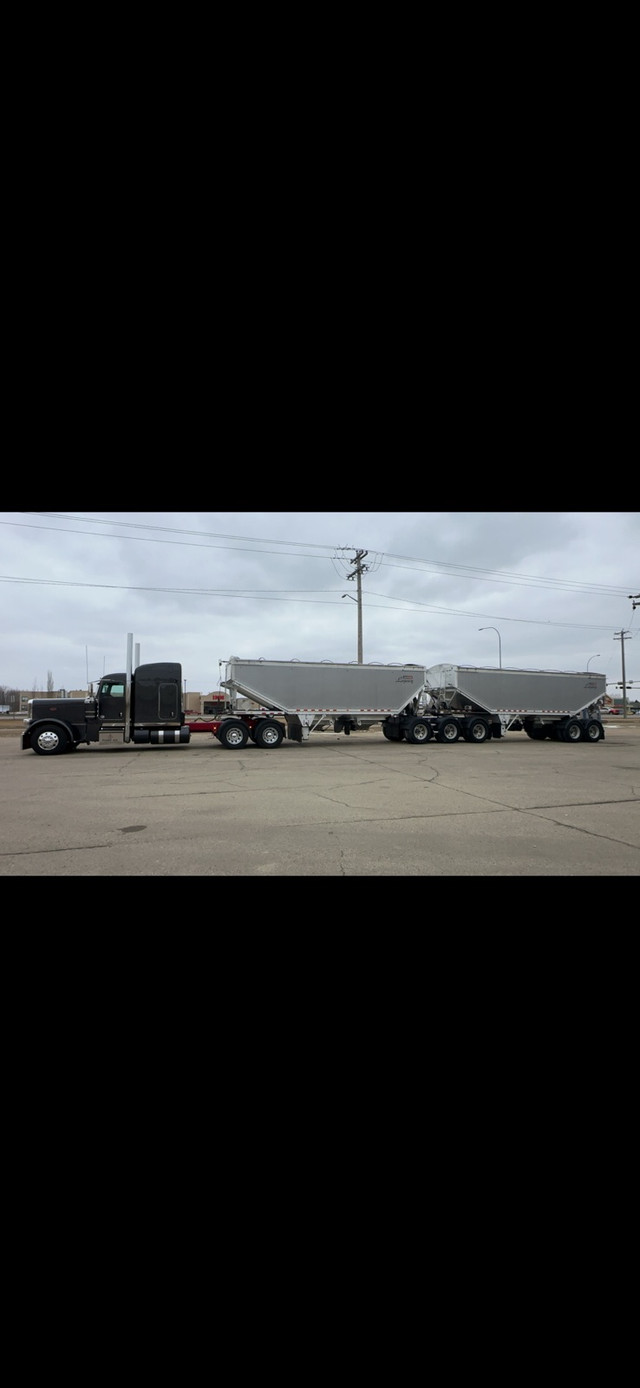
x,y
268,733
573,730
593,731
448,730
417,730
233,735
50,740
478,730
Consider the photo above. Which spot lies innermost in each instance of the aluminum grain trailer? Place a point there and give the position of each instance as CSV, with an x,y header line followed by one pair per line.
x,y
266,698
476,703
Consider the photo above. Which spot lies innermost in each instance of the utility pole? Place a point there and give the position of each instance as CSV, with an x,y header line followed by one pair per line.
x,y
619,636
358,571
634,604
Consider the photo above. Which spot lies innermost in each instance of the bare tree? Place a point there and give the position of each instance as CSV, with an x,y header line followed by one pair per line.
x,y
9,696
50,685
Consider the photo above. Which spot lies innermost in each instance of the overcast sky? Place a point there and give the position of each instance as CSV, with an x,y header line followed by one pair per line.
x,y
200,586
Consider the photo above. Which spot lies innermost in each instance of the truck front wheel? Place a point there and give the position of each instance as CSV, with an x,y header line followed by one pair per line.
x,y
50,740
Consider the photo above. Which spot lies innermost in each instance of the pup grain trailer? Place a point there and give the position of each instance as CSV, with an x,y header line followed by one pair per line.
x,y
478,703
268,700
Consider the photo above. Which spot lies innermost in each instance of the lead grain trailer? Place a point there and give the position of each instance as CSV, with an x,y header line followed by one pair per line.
x,y
478,703
267,700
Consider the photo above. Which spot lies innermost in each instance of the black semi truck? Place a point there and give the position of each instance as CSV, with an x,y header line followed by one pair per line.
x,y
141,706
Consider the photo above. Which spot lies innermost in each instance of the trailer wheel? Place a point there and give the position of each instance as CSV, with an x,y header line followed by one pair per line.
x,y
448,730
268,733
478,730
593,731
233,735
537,734
50,740
573,730
417,730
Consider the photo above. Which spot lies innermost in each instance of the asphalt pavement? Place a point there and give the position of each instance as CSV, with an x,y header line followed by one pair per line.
x,y
338,806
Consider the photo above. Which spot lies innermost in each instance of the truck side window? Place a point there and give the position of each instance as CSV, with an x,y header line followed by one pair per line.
x,y
115,690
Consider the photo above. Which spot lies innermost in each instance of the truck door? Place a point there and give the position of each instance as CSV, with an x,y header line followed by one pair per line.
x,y
111,699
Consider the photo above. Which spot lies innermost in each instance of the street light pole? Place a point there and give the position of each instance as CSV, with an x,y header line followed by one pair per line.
x,y
356,600
499,641
593,657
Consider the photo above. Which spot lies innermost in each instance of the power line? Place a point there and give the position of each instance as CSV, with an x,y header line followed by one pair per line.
x,y
147,540
272,595
448,567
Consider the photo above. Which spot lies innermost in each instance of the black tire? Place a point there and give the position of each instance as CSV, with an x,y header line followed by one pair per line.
x,y
386,732
392,732
233,735
269,733
536,734
50,740
448,731
594,731
573,731
478,731
417,730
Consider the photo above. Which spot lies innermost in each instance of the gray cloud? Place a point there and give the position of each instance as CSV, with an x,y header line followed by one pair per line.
x,y
199,586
